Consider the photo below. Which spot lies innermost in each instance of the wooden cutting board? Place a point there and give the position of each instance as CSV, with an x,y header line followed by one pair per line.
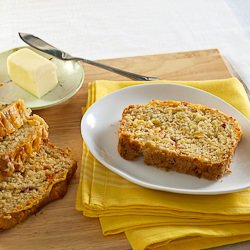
x,y
58,225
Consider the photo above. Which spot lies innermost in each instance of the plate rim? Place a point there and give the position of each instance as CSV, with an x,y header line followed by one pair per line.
x,y
150,185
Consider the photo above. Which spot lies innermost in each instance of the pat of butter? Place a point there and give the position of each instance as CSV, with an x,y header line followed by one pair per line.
x,y
32,72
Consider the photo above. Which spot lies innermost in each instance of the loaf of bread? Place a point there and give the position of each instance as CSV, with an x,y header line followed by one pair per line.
x,y
43,179
12,116
24,142
187,138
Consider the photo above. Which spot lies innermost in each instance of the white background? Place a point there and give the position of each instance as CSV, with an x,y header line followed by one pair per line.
x,y
98,29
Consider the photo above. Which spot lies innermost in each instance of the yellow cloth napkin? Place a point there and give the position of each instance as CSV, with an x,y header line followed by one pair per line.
x,y
154,219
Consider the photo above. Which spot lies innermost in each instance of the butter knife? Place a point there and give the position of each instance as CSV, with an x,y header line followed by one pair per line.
x,y
43,46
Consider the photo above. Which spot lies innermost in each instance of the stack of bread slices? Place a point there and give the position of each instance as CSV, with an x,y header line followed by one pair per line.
x,y
33,171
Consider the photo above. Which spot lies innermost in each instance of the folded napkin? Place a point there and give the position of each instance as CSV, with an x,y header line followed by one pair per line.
x,y
154,219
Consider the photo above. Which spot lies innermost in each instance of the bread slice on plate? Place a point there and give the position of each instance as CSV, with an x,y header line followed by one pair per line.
x,y
44,179
12,116
184,137
24,142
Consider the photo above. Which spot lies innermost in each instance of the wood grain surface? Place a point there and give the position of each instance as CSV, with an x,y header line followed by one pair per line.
x,y
58,225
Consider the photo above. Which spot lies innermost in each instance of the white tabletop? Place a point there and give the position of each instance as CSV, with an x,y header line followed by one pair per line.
x,y
98,29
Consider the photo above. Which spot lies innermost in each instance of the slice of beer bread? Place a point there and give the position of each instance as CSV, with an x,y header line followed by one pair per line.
x,y
43,179
188,138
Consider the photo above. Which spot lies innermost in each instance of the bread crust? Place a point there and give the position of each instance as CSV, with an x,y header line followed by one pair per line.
x,y
187,165
12,160
130,147
57,191
13,116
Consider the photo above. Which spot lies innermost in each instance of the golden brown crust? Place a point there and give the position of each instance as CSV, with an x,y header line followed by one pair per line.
x,y
12,159
142,132
57,191
13,116
128,148
187,165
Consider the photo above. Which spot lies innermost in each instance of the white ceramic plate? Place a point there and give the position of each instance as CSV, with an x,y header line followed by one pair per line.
x,y
70,76
100,124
